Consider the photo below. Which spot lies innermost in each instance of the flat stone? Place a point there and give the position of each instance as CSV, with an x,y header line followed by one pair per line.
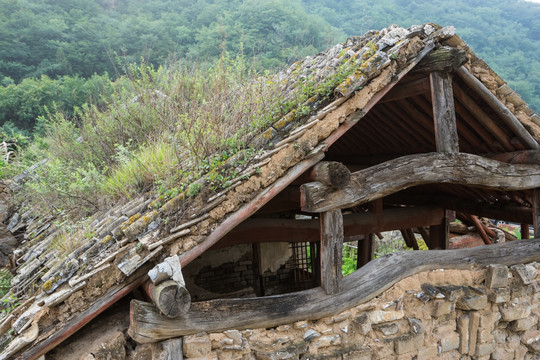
x,y
525,273
451,292
428,352
498,295
198,345
524,324
380,316
472,302
485,348
511,312
442,307
496,276
450,342
387,329
409,344
463,330
416,325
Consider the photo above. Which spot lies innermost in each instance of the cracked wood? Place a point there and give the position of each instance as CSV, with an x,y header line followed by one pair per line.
x,y
407,171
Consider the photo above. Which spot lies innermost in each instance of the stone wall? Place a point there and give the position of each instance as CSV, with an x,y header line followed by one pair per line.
x,y
489,313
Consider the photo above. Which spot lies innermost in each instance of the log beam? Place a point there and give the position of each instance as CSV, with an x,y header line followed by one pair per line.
x,y
518,214
147,325
256,230
412,170
444,115
444,59
331,251
167,288
330,173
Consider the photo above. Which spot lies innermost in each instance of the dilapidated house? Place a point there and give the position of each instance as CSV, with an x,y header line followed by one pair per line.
x,y
422,130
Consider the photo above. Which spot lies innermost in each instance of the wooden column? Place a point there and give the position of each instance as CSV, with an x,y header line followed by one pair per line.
x,y
536,213
438,235
331,250
365,251
525,234
444,115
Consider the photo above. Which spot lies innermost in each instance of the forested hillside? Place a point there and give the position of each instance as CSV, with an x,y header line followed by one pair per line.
x,y
57,44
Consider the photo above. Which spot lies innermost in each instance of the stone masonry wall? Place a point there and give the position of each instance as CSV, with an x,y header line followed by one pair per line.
x,y
489,313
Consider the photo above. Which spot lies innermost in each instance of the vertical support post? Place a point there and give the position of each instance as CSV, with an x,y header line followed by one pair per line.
x,y
364,253
438,234
331,250
257,278
444,115
536,213
525,234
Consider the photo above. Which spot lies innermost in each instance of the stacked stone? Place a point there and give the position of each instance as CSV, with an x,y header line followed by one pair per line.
x,y
491,314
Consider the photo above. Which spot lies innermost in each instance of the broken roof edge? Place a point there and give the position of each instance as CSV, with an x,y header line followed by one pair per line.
x,y
299,147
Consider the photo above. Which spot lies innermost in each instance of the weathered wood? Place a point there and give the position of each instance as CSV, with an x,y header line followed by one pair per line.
x,y
480,229
257,230
403,91
331,173
147,325
525,232
505,114
444,59
365,251
516,157
331,250
172,299
251,207
167,288
536,213
395,175
518,214
444,115
20,342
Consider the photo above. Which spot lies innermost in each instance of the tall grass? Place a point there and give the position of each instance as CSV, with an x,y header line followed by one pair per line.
x,y
164,128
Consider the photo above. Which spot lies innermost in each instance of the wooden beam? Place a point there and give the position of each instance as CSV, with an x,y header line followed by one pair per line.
x,y
501,110
257,230
251,207
365,251
444,115
331,251
444,59
517,157
331,173
147,325
412,170
406,90
519,214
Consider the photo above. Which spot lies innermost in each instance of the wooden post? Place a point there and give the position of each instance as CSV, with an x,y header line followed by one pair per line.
x,y
365,251
525,234
536,213
331,250
438,234
444,115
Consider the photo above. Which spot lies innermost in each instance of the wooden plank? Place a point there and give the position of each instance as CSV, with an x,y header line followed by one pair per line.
x,y
147,325
257,230
251,207
444,115
412,170
501,110
331,250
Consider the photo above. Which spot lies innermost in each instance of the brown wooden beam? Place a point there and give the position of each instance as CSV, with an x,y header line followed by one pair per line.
x,y
147,325
331,251
406,90
518,214
444,59
444,115
256,230
412,170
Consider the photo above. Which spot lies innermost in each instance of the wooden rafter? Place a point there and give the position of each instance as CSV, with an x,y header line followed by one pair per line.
x,y
444,115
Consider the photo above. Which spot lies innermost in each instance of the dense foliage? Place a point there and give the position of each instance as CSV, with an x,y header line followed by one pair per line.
x,y
47,47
